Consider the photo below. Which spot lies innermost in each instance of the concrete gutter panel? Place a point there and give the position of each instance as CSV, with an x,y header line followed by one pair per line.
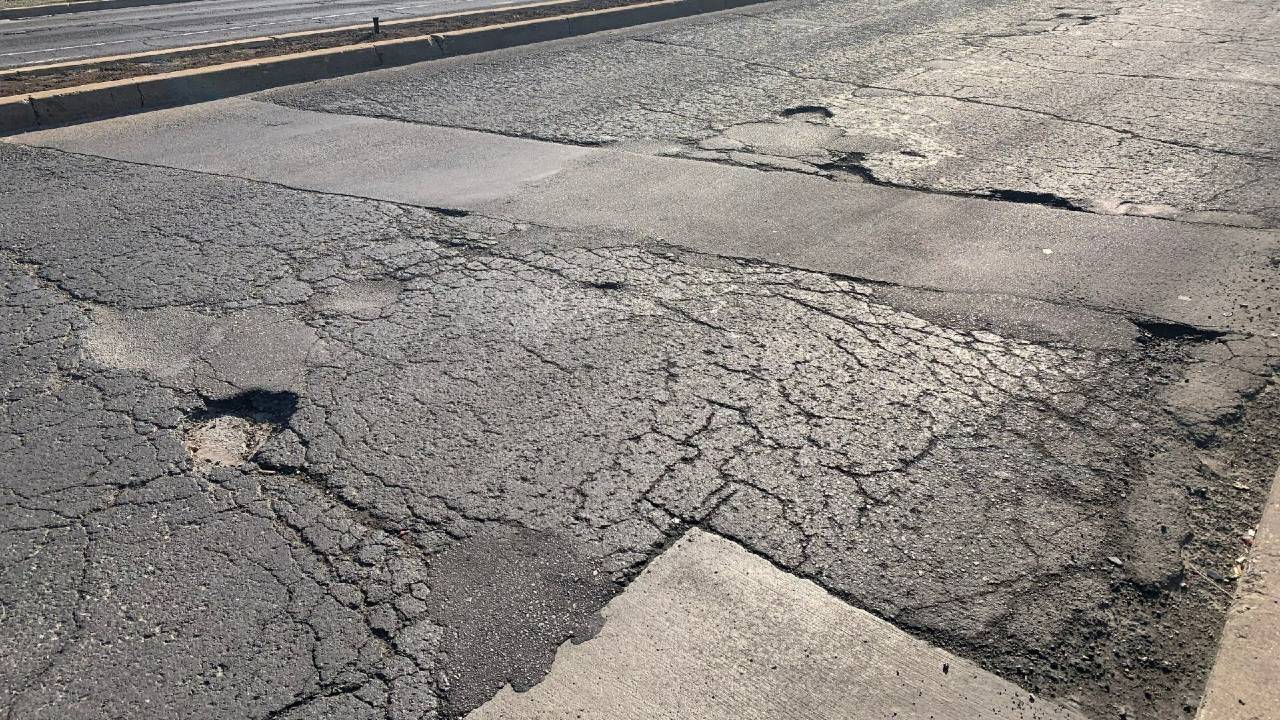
x,y
898,236
713,632
1245,683
344,154
496,37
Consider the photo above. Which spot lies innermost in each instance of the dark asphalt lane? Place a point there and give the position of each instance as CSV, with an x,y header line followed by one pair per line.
x,y
54,38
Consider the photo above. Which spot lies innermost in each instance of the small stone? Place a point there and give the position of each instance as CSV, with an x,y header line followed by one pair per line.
x,y
1115,561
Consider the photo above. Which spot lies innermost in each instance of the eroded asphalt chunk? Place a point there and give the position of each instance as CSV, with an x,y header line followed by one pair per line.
x,y
290,524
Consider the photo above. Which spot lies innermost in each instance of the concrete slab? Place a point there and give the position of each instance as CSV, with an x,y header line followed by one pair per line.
x,y
1196,274
1243,684
711,631
1177,271
349,155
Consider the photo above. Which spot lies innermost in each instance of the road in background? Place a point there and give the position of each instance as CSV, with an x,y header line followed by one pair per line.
x,y
52,38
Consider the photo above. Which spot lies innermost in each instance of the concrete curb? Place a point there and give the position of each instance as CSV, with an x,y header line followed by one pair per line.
x,y
259,41
83,6
121,97
1243,683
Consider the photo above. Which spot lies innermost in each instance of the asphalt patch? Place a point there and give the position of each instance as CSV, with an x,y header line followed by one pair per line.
x,y
507,598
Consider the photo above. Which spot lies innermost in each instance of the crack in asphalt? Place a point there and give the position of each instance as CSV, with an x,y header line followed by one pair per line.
x,y
585,406
923,88
1010,196
460,386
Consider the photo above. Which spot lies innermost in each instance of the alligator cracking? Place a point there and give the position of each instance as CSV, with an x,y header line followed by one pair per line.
x,y
463,415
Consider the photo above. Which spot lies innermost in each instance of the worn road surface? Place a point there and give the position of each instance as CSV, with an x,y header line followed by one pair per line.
x,y
359,398
52,38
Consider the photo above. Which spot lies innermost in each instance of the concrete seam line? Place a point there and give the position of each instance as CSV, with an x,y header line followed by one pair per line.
x,y
74,7
101,100
262,39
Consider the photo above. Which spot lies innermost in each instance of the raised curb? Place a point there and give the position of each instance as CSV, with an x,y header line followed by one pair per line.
x,y
1245,681
83,6
132,95
16,112
261,40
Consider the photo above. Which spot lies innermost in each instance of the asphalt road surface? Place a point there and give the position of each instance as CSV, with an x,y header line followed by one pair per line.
x,y
358,398
52,38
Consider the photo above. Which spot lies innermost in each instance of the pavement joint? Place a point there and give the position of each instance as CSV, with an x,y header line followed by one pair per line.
x,y
1160,328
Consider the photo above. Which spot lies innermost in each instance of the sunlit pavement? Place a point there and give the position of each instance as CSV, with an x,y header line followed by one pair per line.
x,y
952,323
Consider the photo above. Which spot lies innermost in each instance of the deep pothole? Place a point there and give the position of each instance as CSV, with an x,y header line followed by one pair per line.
x,y
1170,330
230,431
814,111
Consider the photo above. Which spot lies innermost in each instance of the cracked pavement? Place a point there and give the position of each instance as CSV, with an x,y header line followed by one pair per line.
x,y
289,452
1151,109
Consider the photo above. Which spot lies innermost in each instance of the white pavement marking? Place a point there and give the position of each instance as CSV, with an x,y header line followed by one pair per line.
x,y
66,47
711,631
1245,682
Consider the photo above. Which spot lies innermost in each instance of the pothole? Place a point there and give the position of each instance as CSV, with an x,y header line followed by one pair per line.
x,y
230,431
1033,198
814,110
450,212
606,283
852,164
1169,330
